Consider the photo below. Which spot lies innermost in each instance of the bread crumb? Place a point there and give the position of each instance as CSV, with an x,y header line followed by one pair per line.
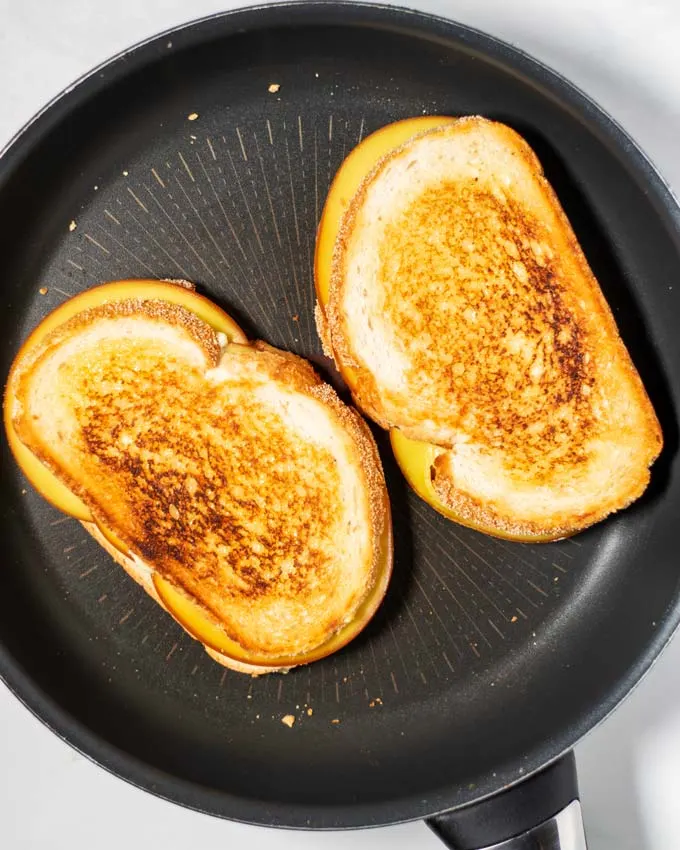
x,y
335,721
273,87
192,116
310,711
323,330
513,619
296,318
288,720
43,290
125,174
374,702
23,493
72,226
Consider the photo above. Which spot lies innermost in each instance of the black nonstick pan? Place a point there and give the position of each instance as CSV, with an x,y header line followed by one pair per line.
x,y
206,153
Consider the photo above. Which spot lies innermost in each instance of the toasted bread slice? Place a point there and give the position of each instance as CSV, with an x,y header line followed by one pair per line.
x,y
234,474
464,308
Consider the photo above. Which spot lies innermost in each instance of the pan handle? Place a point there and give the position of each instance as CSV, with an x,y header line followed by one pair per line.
x,y
541,812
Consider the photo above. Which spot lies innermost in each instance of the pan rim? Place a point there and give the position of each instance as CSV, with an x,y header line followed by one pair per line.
x,y
619,143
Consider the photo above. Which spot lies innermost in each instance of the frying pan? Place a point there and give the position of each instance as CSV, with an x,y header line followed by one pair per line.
x,y
461,701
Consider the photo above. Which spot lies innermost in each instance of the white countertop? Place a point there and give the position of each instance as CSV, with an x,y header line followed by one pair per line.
x,y
626,55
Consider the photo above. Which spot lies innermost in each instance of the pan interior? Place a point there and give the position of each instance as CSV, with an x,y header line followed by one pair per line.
x,y
210,160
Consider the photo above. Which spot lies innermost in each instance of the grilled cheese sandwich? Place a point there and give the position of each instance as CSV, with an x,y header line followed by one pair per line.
x,y
461,306
227,476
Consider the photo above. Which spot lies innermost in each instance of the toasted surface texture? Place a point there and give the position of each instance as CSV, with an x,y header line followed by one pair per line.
x,y
235,474
462,301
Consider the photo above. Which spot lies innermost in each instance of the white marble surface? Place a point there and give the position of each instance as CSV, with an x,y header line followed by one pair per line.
x,y
625,54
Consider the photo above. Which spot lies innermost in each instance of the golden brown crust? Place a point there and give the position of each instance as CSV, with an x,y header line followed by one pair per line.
x,y
169,522
524,359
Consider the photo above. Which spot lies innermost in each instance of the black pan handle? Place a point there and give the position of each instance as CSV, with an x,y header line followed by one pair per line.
x,y
541,813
